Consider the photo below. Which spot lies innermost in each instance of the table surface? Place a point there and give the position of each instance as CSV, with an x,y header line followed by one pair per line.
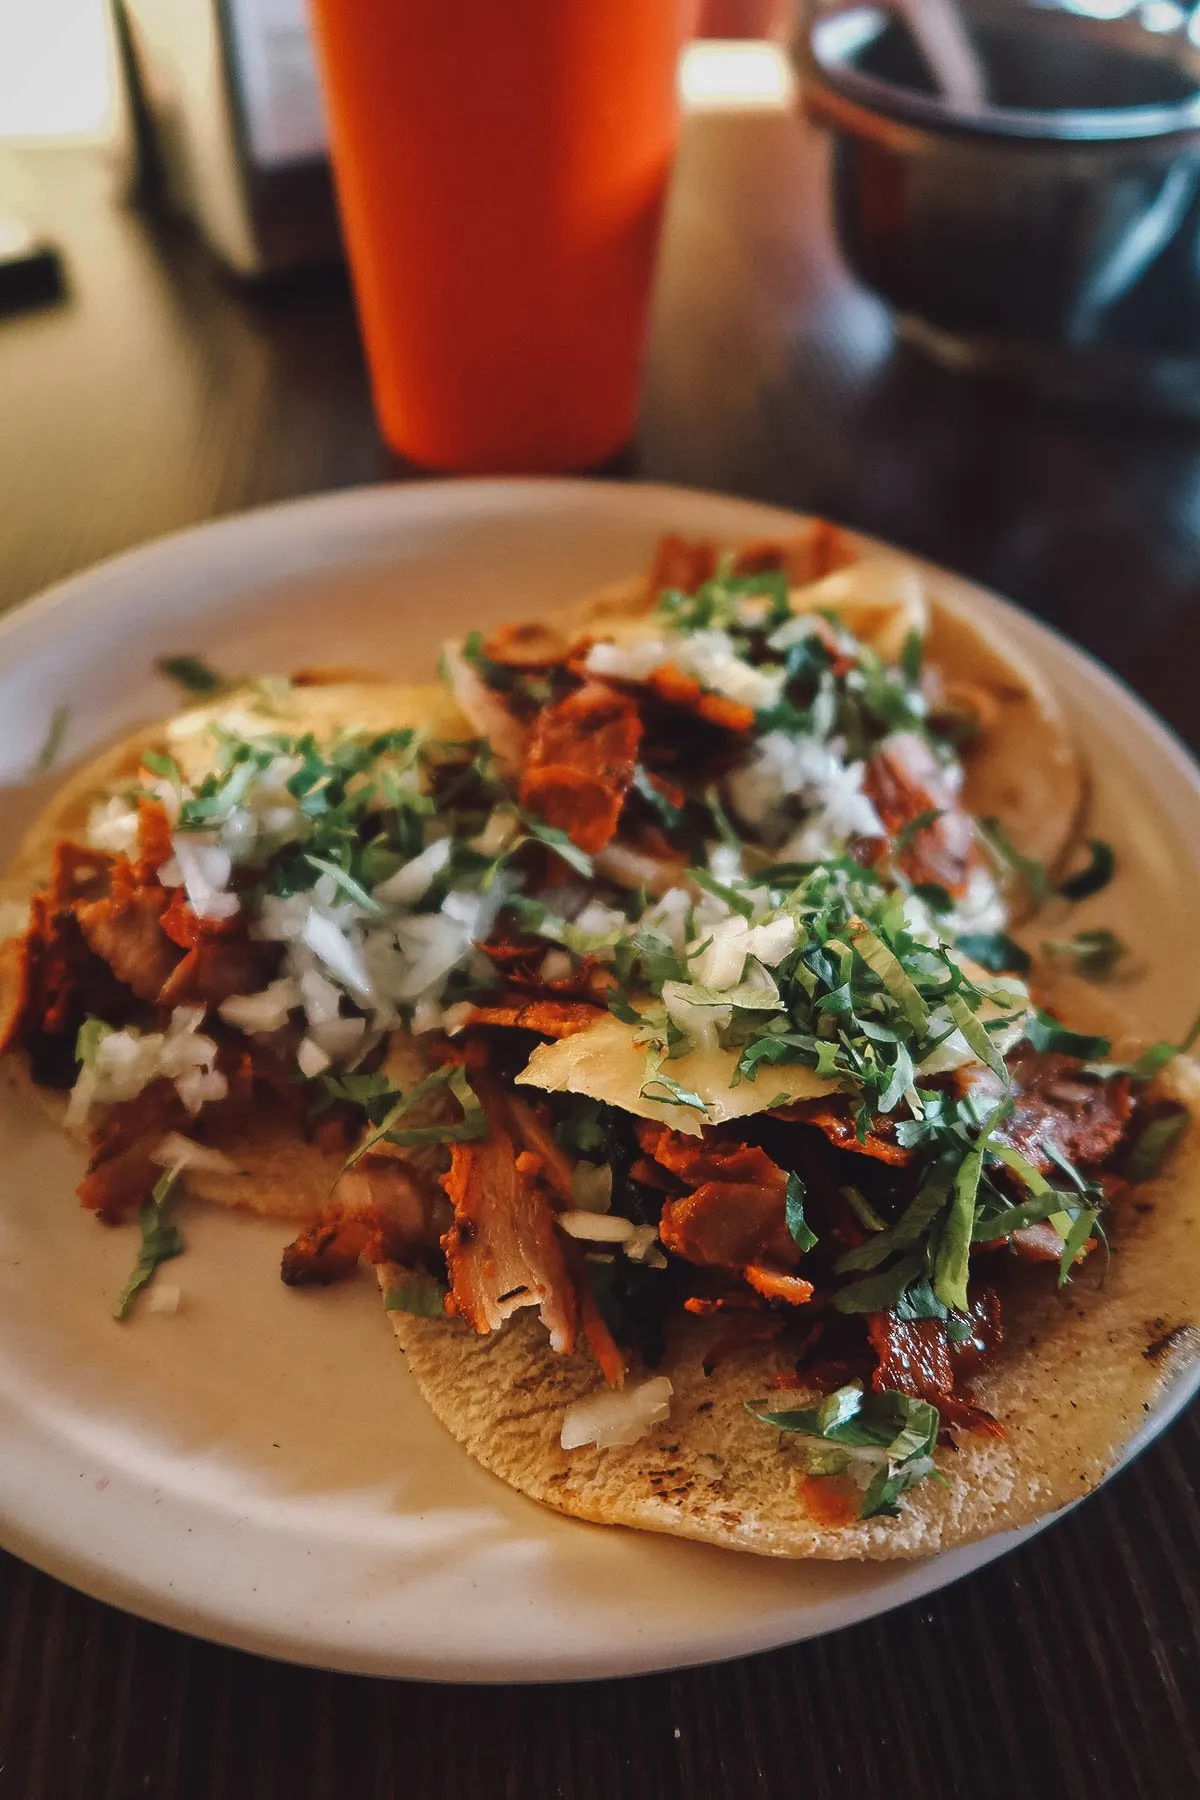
x,y
160,394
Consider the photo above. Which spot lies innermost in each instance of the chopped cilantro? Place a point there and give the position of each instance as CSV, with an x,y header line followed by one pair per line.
x,y
912,656
472,1125
993,951
1145,1155
418,1293
558,841
737,903
1045,1033
88,1039
1029,869
56,731
954,1242
160,1242
1095,954
1096,873
657,1086
163,766
904,837
800,1230
191,674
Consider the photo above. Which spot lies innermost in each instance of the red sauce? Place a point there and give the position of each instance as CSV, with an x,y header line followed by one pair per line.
x,y
830,1499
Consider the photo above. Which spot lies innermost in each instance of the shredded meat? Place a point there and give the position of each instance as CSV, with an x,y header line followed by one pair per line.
x,y
121,1169
776,1286
683,691
154,838
834,1117
917,1357
16,986
554,1162
903,781
125,931
815,550
682,565
580,764
630,866
214,971
733,1217
59,982
592,1323
220,959
486,711
384,1210
1033,1243
599,1339
503,1249
552,1018
1083,1117
520,963
331,1247
530,645
77,872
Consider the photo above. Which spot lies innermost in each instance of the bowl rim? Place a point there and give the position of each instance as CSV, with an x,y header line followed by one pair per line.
x,y
827,39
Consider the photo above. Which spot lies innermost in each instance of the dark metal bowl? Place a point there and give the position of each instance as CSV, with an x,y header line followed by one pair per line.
x,y
1055,232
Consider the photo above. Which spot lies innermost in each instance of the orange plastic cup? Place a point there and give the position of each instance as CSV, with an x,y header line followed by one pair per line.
x,y
501,167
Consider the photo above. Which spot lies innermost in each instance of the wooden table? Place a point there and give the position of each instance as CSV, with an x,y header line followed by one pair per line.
x,y
160,394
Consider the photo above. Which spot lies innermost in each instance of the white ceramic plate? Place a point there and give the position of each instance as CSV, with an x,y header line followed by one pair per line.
x,y
257,1468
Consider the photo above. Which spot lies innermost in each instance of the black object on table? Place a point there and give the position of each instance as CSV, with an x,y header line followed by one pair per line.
x,y
160,395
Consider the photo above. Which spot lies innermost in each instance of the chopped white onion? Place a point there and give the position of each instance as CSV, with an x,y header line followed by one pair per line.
x,y
498,833
162,1297
702,1023
725,864
642,1247
113,826
176,1152
262,1012
614,1416
342,958
80,1102
204,870
597,1228
720,965
319,998
196,1087
338,1038
412,880
311,1058
14,918
771,941
454,1017
591,1186
126,1061
709,656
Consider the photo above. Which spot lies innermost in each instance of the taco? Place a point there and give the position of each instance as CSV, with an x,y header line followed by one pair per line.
x,y
797,1429
657,980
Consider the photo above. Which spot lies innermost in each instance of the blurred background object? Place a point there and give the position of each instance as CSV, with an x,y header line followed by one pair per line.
x,y
501,174
234,130
1047,226
213,106
58,73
